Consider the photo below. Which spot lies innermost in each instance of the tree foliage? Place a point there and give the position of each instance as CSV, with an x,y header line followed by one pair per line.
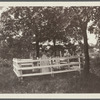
x,y
79,26
23,26
34,24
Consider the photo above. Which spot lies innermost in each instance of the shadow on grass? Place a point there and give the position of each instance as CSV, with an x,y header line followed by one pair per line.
x,y
64,83
71,82
89,84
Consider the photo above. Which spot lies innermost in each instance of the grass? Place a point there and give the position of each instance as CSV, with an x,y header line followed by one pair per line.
x,y
71,82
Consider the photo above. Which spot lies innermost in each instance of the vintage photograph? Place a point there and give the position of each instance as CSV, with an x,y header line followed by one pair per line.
x,y
49,49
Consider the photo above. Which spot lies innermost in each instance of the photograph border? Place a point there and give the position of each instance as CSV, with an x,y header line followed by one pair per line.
x,y
71,96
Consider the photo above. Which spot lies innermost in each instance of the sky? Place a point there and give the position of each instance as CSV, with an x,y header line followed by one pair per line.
x,y
2,9
91,37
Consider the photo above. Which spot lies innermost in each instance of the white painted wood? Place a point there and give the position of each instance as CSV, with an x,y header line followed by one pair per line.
x,y
79,60
38,67
26,64
46,73
23,64
18,75
68,62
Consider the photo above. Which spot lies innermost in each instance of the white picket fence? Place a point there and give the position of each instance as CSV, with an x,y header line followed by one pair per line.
x,y
30,67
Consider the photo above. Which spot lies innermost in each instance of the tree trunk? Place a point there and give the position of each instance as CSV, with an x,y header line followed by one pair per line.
x,y
37,48
54,44
86,53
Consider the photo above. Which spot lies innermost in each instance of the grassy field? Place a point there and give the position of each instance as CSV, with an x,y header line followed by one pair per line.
x,y
71,82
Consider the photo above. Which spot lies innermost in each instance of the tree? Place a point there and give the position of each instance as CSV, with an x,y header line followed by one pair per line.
x,y
79,21
56,22
27,21
38,24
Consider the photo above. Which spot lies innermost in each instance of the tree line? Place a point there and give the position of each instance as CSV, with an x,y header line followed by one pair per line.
x,y
24,29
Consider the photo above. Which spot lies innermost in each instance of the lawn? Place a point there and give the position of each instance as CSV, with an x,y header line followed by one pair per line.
x,y
71,82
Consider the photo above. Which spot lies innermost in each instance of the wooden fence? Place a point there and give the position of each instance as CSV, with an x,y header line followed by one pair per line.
x,y
30,67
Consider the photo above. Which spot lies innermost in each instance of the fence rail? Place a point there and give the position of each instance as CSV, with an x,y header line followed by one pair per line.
x,y
30,67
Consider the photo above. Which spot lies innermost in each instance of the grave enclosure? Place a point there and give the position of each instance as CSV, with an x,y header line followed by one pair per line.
x,y
30,67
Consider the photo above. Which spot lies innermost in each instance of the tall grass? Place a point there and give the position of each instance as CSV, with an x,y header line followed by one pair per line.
x,y
95,65
71,82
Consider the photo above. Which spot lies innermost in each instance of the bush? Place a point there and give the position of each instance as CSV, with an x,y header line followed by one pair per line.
x,y
5,62
95,65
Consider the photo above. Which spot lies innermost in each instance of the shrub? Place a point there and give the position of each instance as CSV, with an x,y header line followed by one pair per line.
x,y
95,65
5,62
